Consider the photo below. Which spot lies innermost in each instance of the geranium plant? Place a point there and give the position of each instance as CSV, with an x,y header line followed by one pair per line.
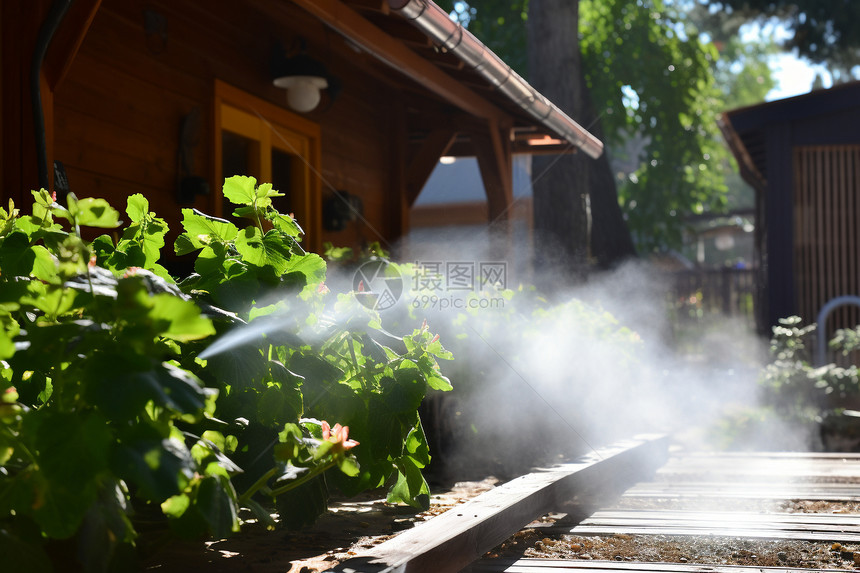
x,y
127,395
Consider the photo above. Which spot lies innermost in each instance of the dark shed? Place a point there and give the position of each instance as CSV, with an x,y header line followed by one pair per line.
x,y
802,156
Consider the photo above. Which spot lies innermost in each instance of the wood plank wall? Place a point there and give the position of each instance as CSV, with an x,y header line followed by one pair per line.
x,y
827,231
119,111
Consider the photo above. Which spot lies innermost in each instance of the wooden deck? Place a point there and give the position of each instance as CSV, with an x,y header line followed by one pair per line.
x,y
700,484
712,479
453,540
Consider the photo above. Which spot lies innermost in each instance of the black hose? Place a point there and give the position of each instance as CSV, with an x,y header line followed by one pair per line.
x,y
46,34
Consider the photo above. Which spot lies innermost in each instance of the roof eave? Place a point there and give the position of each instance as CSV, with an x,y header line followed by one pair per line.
x,y
438,26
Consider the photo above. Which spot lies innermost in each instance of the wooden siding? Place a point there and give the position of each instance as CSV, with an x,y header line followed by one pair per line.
x,y
827,230
119,110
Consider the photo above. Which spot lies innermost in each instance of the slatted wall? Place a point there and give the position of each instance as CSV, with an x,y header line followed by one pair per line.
x,y
827,231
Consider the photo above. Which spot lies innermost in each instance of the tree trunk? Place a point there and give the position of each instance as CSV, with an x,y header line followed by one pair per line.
x,y
611,243
559,183
562,184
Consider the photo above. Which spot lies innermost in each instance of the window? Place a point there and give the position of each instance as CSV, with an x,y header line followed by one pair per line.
x,y
254,137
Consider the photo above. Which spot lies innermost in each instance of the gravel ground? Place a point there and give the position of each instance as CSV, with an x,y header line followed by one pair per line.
x,y
536,542
701,550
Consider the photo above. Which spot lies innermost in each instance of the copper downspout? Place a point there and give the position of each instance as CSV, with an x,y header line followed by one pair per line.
x,y
436,24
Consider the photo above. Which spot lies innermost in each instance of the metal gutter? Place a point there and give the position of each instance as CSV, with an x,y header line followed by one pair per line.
x,y
437,25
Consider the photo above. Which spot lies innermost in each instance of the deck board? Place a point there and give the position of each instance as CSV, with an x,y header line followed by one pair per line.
x,y
565,565
453,540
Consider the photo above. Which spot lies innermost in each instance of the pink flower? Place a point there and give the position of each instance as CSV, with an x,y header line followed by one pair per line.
x,y
339,435
93,261
322,289
130,272
54,196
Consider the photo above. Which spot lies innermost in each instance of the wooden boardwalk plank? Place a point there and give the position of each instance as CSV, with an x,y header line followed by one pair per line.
x,y
752,490
683,516
800,535
782,467
451,541
563,565
809,526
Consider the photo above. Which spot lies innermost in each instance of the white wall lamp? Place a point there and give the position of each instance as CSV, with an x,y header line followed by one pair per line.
x,y
303,77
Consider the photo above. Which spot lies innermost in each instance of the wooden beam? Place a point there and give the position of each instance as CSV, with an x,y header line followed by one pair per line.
x,y
496,165
399,203
348,22
374,5
424,161
68,39
451,541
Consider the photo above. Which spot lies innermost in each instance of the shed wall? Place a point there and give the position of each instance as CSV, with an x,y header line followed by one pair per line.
x,y
118,112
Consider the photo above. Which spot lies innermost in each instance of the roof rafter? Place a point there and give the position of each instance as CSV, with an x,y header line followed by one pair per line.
x,y
369,37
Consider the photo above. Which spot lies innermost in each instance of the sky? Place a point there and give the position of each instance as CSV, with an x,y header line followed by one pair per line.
x,y
793,75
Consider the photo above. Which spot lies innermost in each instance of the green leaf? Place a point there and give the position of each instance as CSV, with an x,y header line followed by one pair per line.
x,y
410,488
92,212
215,500
23,555
72,448
137,207
406,390
45,265
16,256
202,230
159,468
311,265
416,446
384,431
183,319
288,225
240,190
301,506
176,505
72,455
263,250
348,465
275,407
104,540
53,302
265,191
122,393
7,347
434,378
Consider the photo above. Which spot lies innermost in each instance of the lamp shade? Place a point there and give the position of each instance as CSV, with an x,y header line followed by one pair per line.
x,y
302,76
303,92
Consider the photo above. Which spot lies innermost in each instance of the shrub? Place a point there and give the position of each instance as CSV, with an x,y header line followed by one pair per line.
x,y
126,394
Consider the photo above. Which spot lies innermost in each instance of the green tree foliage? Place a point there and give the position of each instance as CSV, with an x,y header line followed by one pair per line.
x,y
651,79
824,31
656,78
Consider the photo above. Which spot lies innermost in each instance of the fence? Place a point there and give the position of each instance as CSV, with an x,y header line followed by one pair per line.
x,y
697,296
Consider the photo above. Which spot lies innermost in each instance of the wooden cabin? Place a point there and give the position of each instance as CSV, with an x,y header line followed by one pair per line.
x,y
802,156
168,97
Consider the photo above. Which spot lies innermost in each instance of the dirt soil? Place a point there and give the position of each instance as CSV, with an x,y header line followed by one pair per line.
x,y
350,527
534,542
671,549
